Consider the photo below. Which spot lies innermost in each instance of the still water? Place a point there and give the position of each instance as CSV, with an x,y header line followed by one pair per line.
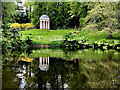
x,y
57,68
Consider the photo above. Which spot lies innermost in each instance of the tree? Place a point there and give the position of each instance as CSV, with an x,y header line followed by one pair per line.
x,y
10,37
78,12
29,6
22,15
57,11
60,15
39,9
101,17
117,9
8,13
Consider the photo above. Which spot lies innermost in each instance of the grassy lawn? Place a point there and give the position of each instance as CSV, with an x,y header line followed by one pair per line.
x,y
98,37
43,36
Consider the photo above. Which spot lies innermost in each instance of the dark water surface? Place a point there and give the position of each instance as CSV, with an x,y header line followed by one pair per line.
x,y
56,68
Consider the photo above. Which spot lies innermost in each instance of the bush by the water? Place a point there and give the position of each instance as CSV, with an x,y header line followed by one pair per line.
x,y
12,39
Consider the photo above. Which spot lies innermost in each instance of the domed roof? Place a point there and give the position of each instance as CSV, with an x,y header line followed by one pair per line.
x,y
44,16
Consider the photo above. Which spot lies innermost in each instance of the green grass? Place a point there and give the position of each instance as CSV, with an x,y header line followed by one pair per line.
x,y
91,35
98,36
44,36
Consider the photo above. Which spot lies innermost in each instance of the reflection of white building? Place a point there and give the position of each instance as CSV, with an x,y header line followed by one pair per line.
x,y
44,63
48,86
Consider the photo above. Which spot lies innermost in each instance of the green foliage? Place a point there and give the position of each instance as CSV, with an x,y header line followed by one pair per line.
x,y
78,11
91,27
8,13
116,35
57,11
117,15
69,36
29,5
109,32
103,15
12,40
70,39
22,17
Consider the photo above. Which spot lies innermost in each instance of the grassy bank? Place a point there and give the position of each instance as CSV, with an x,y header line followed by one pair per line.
x,y
43,36
56,37
97,36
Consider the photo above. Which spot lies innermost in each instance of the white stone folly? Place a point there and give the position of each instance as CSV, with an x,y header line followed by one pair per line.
x,y
44,22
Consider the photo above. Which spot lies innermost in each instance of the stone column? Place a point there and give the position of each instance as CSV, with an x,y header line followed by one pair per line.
x,y
40,24
44,24
48,24
40,60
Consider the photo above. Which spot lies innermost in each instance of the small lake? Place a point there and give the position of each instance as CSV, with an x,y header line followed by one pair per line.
x,y
57,68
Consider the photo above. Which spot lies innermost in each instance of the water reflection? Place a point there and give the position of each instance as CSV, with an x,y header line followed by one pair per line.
x,y
58,73
44,63
74,69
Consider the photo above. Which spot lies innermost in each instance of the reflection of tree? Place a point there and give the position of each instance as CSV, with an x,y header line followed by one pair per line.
x,y
69,55
8,75
88,72
101,73
11,67
32,69
56,76
77,80
110,55
58,72
8,80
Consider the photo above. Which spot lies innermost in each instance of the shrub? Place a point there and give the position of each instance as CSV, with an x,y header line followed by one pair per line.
x,y
28,26
18,26
15,25
69,36
23,26
91,27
